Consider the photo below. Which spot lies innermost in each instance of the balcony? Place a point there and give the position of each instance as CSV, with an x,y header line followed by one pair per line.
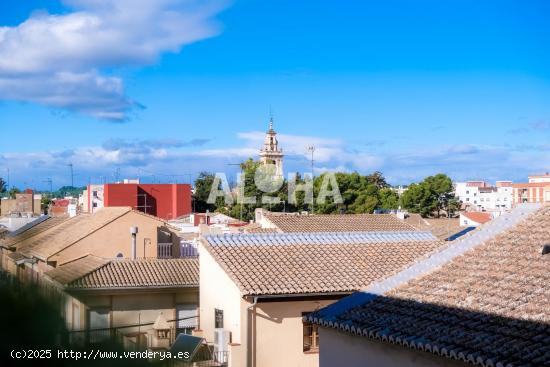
x,y
142,337
164,250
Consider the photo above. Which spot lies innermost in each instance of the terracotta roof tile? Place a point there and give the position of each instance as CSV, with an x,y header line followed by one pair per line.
x,y
91,272
320,263
76,269
442,228
489,306
11,241
337,222
49,242
479,217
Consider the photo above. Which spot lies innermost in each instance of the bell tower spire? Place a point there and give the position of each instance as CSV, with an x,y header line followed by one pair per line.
x,y
270,153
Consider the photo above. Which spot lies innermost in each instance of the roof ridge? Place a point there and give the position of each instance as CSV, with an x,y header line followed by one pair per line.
x,y
434,261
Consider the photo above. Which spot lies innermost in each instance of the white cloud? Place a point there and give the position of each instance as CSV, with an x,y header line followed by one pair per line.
x,y
168,158
56,60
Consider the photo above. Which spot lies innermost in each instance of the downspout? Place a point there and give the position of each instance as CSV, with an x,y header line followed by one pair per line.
x,y
252,341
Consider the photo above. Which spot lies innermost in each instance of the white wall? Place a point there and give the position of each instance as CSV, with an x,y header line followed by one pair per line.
x,y
497,199
535,179
217,290
467,222
343,349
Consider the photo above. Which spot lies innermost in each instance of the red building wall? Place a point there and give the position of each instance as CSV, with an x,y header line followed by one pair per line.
x,y
167,201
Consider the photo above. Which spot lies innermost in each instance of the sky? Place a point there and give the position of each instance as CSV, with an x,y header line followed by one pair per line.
x,y
165,89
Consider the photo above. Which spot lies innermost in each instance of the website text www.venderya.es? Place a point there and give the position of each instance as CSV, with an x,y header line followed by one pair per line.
x,y
94,354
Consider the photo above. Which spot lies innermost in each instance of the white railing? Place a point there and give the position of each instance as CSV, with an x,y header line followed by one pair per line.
x,y
164,250
188,249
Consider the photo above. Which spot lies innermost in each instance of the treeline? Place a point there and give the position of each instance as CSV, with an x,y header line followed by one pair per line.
x,y
359,194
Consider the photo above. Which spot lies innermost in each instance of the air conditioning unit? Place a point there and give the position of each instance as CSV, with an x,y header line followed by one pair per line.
x,y
222,338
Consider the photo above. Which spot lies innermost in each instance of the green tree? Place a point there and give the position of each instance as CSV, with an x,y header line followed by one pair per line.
x,y
441,188
45,203
3,186
203,185
418,199
13,191
430,196
388,198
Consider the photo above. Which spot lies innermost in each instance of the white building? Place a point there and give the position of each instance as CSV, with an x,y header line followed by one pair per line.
x,y
540,178
479,196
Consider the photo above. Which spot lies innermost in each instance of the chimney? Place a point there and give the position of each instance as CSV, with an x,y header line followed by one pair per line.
x,y
133,232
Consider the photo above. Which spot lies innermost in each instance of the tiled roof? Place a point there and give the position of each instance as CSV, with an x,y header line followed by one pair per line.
x,y
489,306
15,256
337,222
315,263
53,240
127,273
257,228
442,228
478,217
10,241
261,230
76,269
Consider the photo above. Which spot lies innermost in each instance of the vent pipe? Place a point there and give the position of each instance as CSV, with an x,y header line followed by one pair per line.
x,y
133,232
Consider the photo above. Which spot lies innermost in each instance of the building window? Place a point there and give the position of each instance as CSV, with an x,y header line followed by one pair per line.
x,y
94,205
218,318
467,192
311,336
187,318
467,199
95,194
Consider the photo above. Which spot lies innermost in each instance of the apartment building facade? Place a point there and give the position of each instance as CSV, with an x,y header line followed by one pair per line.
x,y
536,190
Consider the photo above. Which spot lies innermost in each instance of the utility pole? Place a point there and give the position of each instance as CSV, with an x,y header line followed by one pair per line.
x,y
311,149
72,174
49,181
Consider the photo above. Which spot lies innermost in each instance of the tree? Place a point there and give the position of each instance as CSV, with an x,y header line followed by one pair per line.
x,y
388,199
203,185
430,196
440,187
377,179
13,191
3,186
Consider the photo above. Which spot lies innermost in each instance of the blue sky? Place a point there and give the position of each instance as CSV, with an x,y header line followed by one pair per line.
x,y
165,89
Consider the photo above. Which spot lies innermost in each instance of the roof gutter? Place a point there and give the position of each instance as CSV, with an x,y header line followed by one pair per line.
x,y
252,338
137,288
295,295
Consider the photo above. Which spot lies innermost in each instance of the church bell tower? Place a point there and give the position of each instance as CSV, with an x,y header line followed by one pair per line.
x,y
270,153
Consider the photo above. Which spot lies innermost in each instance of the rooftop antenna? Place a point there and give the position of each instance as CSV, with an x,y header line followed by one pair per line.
x,y
72,174
270,118
49,181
